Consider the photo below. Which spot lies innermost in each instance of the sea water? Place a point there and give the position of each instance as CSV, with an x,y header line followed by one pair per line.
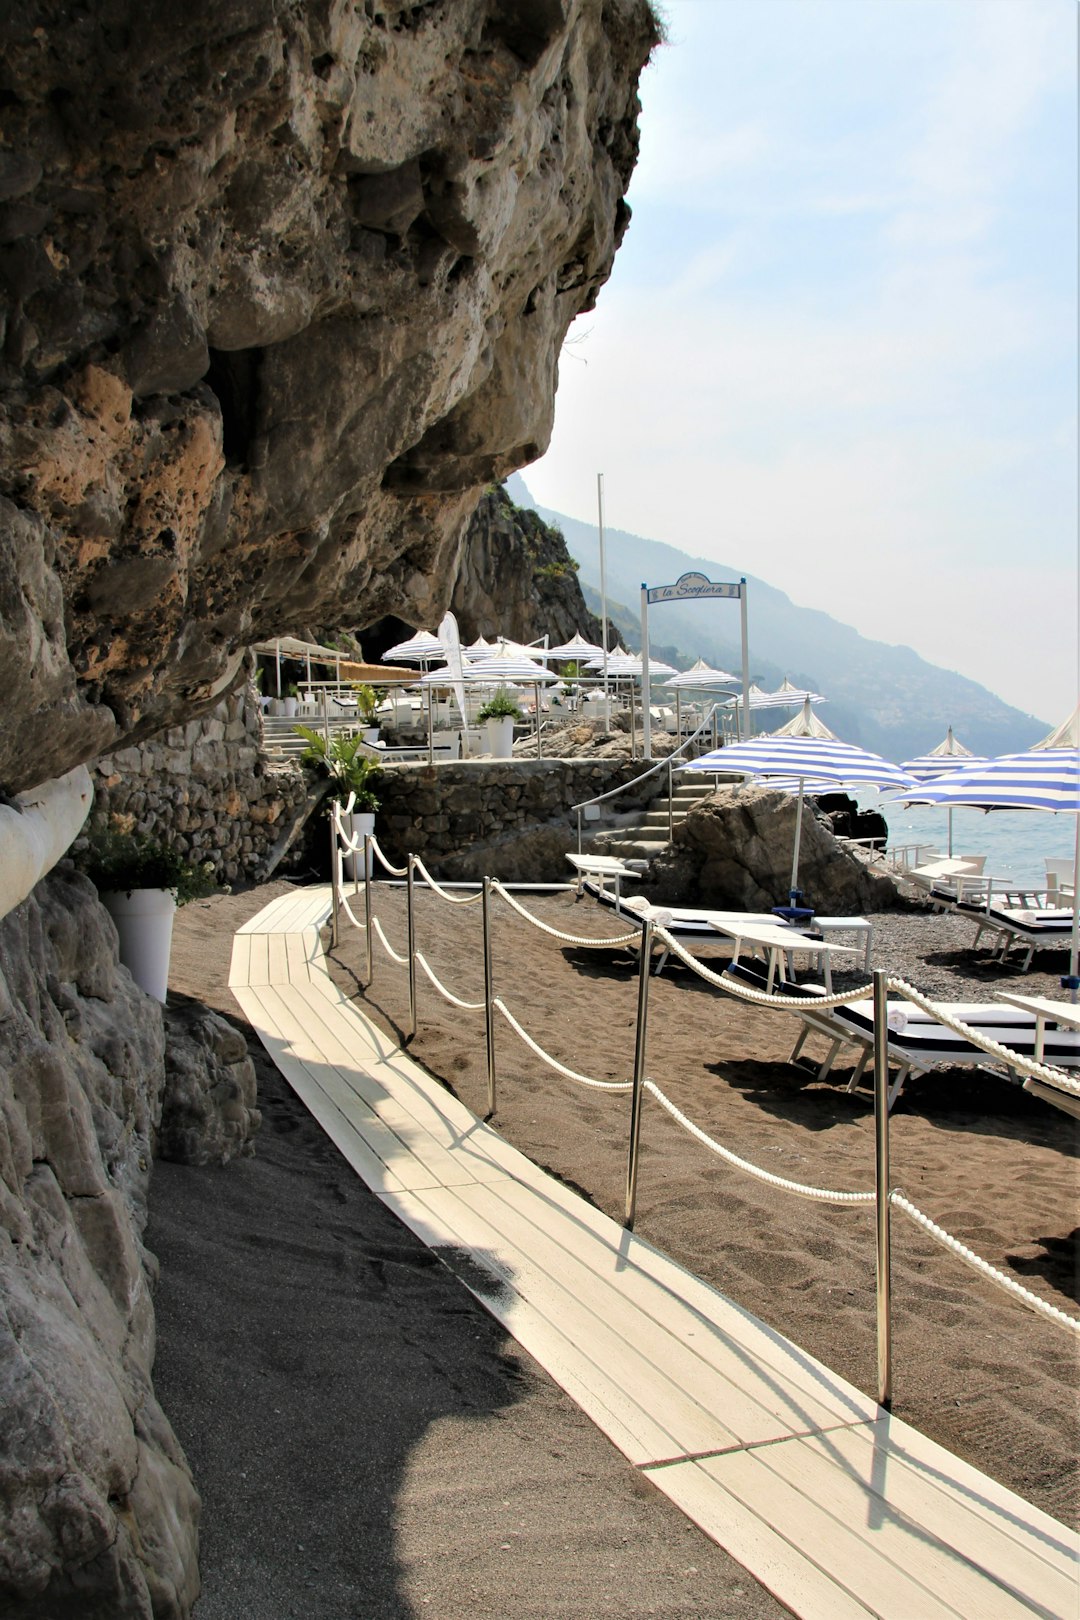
x,y
1017,843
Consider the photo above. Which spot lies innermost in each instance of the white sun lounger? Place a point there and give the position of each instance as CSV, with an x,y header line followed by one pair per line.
x,y
917,1042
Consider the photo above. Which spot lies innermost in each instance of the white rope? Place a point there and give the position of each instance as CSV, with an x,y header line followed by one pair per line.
x,y
386,945
444,894
466,1006
762,997
348,910
821,1194
1051,1312
560,1068
394,871
556,933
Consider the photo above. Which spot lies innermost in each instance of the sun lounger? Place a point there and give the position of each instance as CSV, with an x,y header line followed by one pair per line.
x,y
1028,928
917,1042
695,926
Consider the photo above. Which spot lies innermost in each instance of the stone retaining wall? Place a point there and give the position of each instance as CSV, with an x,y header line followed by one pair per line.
x,y
512,819
205,789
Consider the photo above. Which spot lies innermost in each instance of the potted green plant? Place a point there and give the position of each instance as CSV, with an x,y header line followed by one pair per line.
x,y
141,882
343,760
499,713
367,710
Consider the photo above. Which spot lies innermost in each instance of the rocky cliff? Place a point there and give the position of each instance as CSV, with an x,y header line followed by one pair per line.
x,y
515,576
284,289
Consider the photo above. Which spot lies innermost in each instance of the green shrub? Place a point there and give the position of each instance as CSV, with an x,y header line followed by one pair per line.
x,y
118,862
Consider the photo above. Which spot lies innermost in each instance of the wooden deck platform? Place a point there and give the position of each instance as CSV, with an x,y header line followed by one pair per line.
x,y
838,1508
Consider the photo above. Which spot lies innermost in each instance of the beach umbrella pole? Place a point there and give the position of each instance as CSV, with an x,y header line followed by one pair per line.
x,y
798,841
1072,983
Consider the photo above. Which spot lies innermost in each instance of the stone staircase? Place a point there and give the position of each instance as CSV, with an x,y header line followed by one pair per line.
x,y
646,833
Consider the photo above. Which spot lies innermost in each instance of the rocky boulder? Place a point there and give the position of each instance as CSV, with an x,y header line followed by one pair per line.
x,y
284,289
734,851
208,1113
98,1513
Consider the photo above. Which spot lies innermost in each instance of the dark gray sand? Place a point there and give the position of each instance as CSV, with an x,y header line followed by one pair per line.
x,y
367,1441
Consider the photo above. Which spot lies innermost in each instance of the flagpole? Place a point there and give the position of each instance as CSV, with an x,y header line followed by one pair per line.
x,y
603,596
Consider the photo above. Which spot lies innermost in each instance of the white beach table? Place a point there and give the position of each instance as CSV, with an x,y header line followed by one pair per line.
x,y
603,866
778,940
842,1510
1066,1014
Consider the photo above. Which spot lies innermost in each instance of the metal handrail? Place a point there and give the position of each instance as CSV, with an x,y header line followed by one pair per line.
x,y
661,765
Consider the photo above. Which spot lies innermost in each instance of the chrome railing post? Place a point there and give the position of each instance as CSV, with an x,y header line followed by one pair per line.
x,y
489,998
639,1072
411,890
579,830
881,1167
335,857
670,805
369,860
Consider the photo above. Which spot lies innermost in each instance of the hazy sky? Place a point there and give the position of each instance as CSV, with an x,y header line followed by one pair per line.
x,y
839,346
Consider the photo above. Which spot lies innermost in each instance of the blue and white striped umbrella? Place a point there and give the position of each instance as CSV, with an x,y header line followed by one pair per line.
x,y
1042,779
816,759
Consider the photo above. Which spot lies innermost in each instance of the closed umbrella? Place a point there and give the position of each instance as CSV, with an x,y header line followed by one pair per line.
x,y
1046,777
804,750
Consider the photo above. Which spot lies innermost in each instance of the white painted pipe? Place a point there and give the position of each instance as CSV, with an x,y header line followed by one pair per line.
x,y
43,828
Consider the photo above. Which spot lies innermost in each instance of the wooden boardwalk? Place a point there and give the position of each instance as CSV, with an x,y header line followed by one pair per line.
x,y
838,1508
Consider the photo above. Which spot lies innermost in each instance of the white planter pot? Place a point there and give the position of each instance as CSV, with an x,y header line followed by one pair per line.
x,y
289,707
370,735
277,706
356,825
144,922
500,736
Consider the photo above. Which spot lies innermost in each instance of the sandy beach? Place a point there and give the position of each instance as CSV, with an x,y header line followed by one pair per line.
x,y
369,1443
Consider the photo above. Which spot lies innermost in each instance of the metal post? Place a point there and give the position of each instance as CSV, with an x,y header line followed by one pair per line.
x,y
579,832
335,856
639,1072
633,723
881,1165
411,948
489,998
670,805
603,596
646,683
745,659
368,862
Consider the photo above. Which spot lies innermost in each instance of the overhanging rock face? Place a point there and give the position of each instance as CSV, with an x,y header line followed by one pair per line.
x,y
284,290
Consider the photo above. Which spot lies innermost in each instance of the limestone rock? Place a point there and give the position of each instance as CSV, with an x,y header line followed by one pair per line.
x,y
734,851
285,288
98,1512
208,1112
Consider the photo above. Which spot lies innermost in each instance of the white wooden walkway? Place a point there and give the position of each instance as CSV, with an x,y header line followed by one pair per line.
x,y
838,1508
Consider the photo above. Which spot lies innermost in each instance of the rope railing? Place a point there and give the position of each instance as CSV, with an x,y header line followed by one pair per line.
x,y
883,1197
448,995
444,894
821,1194
557,933
1033,1301
553,1063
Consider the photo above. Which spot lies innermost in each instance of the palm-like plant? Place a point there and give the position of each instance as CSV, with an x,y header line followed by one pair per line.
x,y
344,762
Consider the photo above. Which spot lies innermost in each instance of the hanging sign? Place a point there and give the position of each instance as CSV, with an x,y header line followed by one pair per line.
x,y
689,586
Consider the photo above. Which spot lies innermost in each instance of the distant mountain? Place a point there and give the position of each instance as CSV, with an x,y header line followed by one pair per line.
x,y
885,698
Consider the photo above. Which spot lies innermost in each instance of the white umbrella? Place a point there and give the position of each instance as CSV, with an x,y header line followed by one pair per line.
x,y
806,751
700,675
576,650
949,755
423,648
1046,777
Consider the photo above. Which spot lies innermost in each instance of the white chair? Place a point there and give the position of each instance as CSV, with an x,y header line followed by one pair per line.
x,y
1060,882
